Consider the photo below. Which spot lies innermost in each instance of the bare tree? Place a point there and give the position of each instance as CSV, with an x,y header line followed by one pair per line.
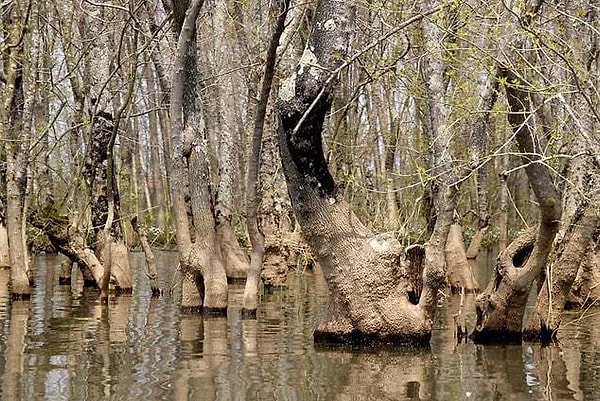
x,y
15,139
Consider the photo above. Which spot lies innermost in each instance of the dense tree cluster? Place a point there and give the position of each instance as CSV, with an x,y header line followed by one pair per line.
x,y
370,137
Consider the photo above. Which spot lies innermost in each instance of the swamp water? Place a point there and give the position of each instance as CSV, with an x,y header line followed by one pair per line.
x,y
64,345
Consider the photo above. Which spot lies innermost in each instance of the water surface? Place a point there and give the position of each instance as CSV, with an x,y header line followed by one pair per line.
x,y
65,345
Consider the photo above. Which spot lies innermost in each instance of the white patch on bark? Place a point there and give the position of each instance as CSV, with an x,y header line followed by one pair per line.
x,y
329,25
288,88
379,246
308,59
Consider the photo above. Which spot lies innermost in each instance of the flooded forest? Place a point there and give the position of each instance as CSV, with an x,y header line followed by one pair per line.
x,y
330,199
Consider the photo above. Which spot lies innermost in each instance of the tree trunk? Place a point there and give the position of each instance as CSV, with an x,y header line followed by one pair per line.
x,y
15,144
257,239
501,307
368,275
152,271
460,276
488,95
204,279
565,261
105,204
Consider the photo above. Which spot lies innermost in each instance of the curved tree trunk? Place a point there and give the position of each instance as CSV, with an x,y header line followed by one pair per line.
x,y
563,265
501,307
368,275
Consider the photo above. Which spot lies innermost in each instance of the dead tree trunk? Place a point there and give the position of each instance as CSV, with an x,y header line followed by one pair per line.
x,y
100,177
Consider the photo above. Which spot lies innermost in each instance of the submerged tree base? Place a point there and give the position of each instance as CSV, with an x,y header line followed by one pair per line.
x,y
497,337
249,314
358,338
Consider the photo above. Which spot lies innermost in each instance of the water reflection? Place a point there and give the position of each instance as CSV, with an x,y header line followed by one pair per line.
x,y
65,345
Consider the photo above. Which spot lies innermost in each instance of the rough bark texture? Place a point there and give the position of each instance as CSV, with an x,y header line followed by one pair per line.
x,y
257,238
4,255
585,290
204,285
488,97
105,205
368,275
14,142
564,263
501,307
67,239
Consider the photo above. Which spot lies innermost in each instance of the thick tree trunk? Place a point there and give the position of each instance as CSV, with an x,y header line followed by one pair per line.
x,y
368,275
563,265
14,142
585,290
501,307
204,279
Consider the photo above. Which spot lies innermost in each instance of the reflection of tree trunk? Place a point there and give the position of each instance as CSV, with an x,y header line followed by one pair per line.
x,y
12,380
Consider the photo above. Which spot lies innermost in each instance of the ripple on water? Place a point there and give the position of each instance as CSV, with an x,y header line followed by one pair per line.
x,y
65,344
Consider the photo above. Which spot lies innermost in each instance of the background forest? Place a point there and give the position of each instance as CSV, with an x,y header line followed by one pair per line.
x,y
120,121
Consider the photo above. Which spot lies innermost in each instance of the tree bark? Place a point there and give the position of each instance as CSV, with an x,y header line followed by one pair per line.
x,y
257,239
368,275
567,256
460,276
204,279
152,271
501,307
15,141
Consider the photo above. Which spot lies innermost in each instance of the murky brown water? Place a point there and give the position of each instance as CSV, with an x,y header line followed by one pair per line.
x,y
63,345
